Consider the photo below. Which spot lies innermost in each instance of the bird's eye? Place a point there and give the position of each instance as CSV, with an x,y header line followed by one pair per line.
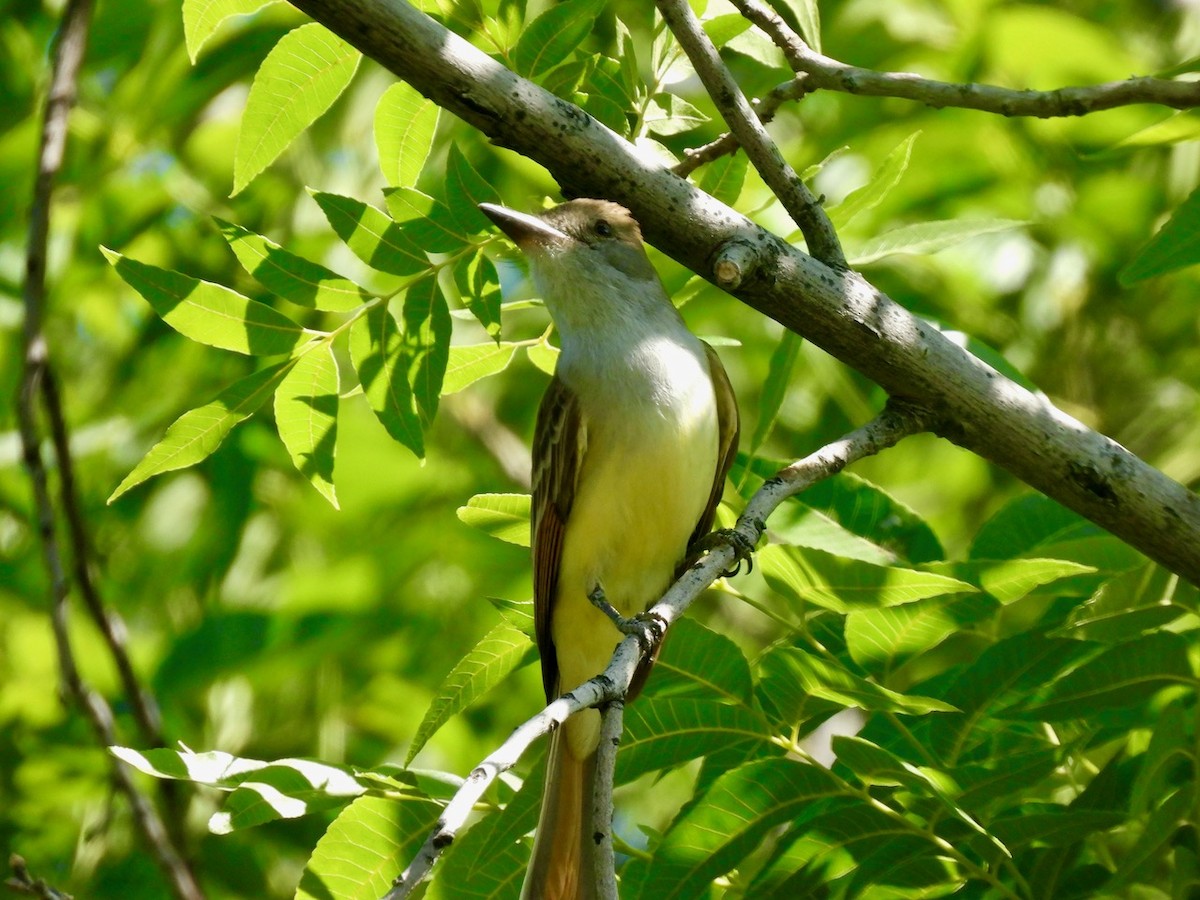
x,y
603,229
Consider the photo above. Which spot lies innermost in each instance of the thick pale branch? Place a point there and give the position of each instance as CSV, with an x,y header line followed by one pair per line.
x,y
896,422
822,72
745,125
974,405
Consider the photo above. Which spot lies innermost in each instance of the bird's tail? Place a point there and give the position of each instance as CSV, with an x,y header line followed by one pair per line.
x,y
563,866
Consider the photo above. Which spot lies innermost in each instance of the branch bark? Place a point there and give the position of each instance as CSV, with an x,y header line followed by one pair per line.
x,y
974,405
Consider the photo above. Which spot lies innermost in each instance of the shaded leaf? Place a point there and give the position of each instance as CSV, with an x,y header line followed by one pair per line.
x,y
479,285
424,221
426,343
699,662
376,347
374,238
774,390
465,190
551,37
723,178
1174,246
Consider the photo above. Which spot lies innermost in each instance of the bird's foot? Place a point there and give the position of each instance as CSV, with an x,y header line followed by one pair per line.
x,y
743,549
648,627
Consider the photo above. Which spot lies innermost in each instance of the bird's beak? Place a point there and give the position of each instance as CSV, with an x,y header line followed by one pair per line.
x,y
526,231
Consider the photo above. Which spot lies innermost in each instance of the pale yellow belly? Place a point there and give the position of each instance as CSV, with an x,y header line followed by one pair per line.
x,y
639,499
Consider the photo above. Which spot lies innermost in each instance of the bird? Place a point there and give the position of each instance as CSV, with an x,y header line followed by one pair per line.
x,y
634,437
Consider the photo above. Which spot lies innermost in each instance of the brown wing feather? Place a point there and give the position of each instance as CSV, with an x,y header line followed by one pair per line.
x,y
558,444
728,427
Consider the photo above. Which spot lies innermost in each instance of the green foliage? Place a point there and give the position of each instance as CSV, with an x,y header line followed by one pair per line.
x,y
1011,692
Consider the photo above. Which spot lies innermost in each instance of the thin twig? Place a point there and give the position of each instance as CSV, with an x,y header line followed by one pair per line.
x,y
822,72
38,384
783,181
23,883
765,108
612,723
896,422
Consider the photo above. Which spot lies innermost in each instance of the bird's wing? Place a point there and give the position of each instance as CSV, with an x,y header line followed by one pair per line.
x,y
559,442
728,426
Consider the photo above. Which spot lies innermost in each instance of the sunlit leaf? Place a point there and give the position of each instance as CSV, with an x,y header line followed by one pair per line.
x,y
426,342
300,78
924,238
503,516
366,847
774,390
405,123
699,662
497,655
197,433
201,19
663,732
465,190
724,177
210,313
875,191
425,221
473,362
306,408
292,277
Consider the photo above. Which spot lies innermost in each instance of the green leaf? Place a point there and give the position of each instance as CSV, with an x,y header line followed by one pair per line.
x,y
1161,833
699,662
926,237
405,123
551,37
881,639
374,238
479,287
376,347
501,652
807,17
774,390
1123,675
1170,754
825,680
209,313
1174,246
503,516
197,433
258,791
544,355
424,221
664,732
468,364
714,834
723,178
289,276
366,847
842,585
870,195
466,189
201,18
668,115
426,342
724,28
300,78
306,407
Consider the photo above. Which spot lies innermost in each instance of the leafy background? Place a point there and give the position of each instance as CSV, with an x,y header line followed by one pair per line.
x,y
1026,685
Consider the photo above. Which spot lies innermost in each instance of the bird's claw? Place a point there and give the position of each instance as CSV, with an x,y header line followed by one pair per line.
x,y
743,549
646,626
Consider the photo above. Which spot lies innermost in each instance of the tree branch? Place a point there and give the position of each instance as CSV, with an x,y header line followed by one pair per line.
x,y
974,405
38,384
745,125
896,422
822,72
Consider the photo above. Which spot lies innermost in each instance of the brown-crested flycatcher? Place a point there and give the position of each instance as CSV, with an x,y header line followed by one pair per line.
x,y
634,437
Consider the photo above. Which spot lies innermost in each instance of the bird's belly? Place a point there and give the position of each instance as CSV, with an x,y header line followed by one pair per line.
x,y
639,498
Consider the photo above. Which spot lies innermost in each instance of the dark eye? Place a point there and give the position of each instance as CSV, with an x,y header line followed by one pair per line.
x,y
603,229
